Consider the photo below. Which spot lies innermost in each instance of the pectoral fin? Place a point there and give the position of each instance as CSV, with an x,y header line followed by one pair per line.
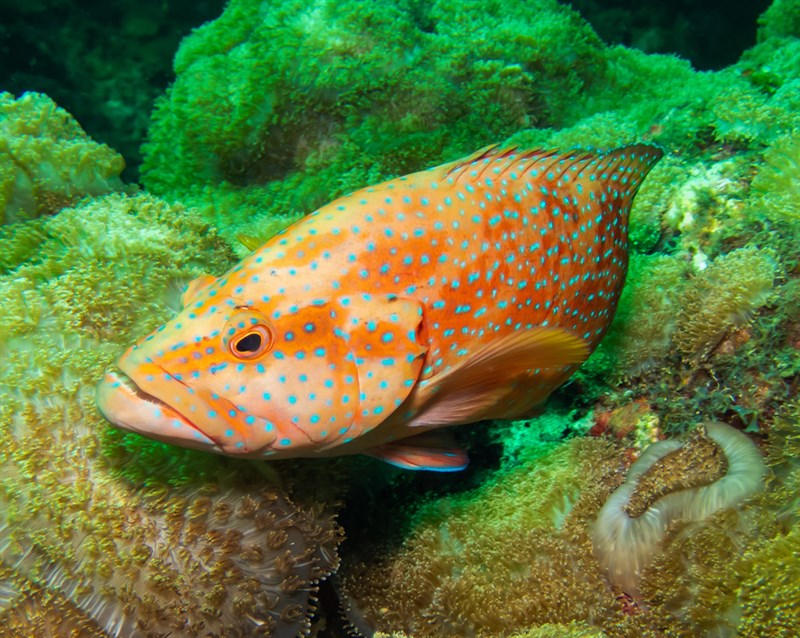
x,y
466,391
434,451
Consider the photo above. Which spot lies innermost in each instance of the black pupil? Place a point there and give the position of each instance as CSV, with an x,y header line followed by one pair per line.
x,y
250,343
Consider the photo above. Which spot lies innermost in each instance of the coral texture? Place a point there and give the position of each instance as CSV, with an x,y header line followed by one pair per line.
x,y
724,295
515,554
280,107
276,108
107,533
718,468
47,161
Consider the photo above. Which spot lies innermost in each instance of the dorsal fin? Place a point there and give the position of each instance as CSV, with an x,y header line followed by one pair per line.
x,y
627,166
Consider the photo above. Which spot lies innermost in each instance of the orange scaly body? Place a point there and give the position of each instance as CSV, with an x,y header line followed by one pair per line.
x,y
461,293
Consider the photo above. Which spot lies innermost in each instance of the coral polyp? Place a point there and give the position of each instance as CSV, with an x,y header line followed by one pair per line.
x,y
723,296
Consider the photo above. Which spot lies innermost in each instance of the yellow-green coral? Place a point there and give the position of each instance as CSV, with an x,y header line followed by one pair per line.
x,y
502,560
512,555
569,630
549,630
775,198
47,161
724,295
734,575
139,242
120,535
770,598
779,178
641,334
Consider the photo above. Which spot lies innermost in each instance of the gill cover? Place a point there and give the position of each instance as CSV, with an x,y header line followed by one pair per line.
x,y
386,341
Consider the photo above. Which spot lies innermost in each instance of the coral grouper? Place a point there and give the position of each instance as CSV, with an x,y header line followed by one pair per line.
x,y
465,292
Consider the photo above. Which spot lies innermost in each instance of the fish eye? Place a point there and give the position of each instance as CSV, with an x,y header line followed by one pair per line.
x,y
251,343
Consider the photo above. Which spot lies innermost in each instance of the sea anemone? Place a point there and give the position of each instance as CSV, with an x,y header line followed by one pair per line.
x,y
717,468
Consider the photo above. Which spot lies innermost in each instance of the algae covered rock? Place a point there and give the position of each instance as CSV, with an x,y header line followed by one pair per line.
x,y
107,534
47,161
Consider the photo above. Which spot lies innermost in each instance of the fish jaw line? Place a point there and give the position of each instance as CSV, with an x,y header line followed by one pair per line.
x,y
200,409
124,404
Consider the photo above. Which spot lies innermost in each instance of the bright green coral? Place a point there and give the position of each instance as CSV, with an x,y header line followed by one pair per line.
x,y
782,19
47,161
282,106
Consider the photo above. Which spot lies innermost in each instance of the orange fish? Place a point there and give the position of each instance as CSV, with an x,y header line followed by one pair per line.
x,y
465,292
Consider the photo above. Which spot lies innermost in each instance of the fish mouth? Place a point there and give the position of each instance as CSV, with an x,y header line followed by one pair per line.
x,y
127,406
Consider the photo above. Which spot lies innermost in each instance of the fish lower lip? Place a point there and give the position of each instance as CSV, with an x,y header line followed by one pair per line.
x,y
126,405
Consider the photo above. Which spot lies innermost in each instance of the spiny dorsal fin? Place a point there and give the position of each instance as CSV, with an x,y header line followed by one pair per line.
x,y
626,166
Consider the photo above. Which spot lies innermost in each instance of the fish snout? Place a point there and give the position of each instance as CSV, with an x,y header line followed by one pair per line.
x,y
126,406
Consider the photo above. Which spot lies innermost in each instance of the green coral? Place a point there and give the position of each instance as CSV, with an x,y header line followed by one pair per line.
x,y
47,161
641,334
568,630
20,242
282,107
723,296
501,560
782,19
277,109
158,262
778,181
774,201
